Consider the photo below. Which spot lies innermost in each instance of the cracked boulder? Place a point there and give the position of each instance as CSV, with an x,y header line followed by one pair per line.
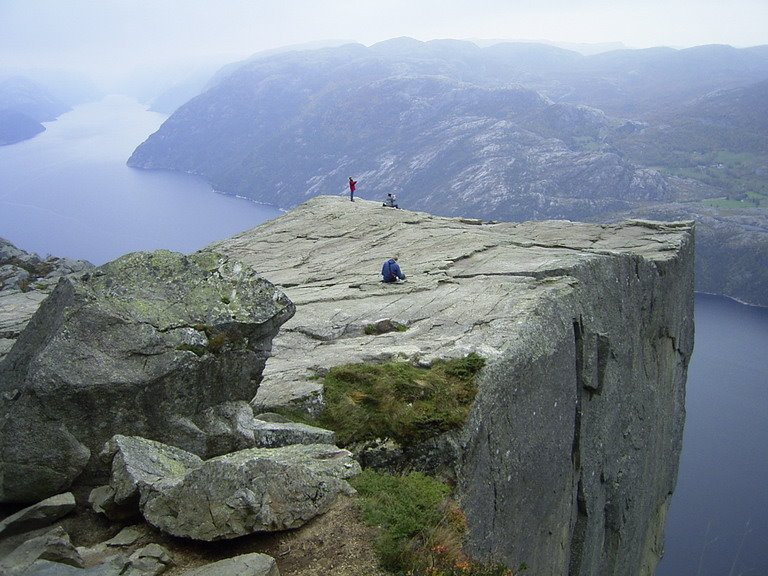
x,y
138,346
254,490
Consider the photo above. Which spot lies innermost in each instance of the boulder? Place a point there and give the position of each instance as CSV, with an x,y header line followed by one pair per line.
x,y
41,514
25,281
53,546
137,463
136,347
256,490
244,565
25,271
259,489
120,547
151,560
231,426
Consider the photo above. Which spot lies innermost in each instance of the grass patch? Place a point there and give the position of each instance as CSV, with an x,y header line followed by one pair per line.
x,y
398,400
422,528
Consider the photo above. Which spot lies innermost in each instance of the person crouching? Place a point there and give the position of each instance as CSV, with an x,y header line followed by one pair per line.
x,y
391,272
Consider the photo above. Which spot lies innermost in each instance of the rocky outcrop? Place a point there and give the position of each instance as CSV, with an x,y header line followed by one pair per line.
x,y
138,346
571,452
255,490
25,281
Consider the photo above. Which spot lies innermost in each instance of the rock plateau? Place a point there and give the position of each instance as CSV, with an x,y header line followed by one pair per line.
x,y
571,452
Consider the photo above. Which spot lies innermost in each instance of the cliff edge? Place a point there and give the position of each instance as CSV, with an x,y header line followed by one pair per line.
x,y
572,447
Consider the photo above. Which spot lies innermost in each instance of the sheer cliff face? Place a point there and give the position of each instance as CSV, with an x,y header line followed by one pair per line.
x,y
572,448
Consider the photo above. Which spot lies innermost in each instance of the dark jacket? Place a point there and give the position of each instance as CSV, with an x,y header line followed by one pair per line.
x,y
391,271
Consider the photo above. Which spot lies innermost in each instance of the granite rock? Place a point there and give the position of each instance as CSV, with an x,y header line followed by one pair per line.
x,y
571,451
137,346
253,490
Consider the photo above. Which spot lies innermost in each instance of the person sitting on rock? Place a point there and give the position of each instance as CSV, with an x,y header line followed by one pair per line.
x,y
390,201
391,272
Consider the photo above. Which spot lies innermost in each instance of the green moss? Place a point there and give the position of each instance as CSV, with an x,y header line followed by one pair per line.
x,y
398,400
422,530
370,329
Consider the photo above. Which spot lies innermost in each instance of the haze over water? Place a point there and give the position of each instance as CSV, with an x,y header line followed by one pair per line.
x,y
67,192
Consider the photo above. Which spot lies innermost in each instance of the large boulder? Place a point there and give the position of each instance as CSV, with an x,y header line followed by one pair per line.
x,y
254,490
245,565
138,347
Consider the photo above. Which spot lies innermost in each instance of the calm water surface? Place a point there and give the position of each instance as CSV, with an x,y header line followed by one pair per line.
x,y
68,192
718,520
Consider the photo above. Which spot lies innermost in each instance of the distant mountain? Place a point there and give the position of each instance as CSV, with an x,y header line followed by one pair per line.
x,y
733,119
15,127
643,82
511,131
24,105
181,92
281,129
21,94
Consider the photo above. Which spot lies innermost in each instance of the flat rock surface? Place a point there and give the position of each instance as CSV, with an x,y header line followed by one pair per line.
x,y
471,286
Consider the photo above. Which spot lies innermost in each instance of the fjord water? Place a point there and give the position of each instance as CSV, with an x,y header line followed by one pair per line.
x,y
718,521
67,192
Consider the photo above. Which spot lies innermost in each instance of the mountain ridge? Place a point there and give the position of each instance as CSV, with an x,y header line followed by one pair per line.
x,y
516,132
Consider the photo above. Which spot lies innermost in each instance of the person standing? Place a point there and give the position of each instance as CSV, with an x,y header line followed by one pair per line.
x,y
352,184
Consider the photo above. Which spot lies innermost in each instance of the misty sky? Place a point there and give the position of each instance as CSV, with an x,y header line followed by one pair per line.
x,y
110,37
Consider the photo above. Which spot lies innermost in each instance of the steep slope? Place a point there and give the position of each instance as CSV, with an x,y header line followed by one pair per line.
x,y
449,126
282,129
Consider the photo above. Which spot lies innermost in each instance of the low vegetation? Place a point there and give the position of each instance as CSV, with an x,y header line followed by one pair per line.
x,y
422,528
398,400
